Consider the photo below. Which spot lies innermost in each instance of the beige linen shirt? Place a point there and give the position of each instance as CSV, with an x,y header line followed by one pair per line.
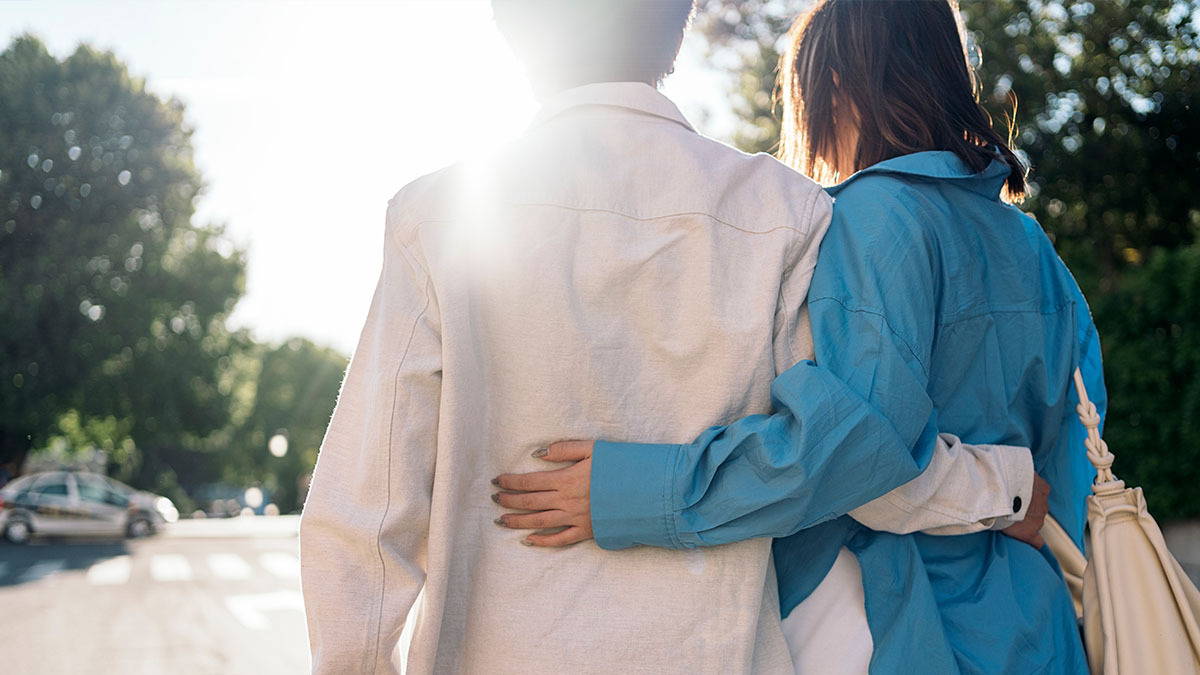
x,y
612,274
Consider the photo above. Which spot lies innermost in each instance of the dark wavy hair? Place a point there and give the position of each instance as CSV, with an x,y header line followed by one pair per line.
x,y
900,68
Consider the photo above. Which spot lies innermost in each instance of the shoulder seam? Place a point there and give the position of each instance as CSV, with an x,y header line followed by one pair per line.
x,y
392,234
793,257
903,340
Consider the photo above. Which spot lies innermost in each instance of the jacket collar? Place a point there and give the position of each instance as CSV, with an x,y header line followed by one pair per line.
x,y
939,164
637,96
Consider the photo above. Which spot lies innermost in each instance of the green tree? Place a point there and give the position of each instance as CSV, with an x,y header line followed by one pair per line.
x,y
292,393
1109,115
746,37
113,303
1108,108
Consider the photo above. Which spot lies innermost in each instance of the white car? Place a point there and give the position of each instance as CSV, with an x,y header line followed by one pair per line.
x,y
69,503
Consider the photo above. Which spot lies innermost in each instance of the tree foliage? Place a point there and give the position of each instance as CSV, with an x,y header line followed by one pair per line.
x,y
113,302
1108,117
1108,112
745,38
295,386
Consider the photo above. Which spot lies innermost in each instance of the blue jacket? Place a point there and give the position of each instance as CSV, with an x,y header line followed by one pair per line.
x,y
934,307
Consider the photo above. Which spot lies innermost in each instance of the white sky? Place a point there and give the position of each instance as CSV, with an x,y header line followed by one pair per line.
x,y
309,116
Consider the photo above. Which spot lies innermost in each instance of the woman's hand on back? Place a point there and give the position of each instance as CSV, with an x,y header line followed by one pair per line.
x,y
560,499
557,498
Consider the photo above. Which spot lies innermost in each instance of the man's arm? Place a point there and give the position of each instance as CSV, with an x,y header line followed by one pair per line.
x,y
365,524
772,470
843,433
964,489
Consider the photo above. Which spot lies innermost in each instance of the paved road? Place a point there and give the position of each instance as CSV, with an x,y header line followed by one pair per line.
x,y
1183,540
203,598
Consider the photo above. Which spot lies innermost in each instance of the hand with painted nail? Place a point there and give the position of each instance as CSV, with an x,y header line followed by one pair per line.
x,y
552,499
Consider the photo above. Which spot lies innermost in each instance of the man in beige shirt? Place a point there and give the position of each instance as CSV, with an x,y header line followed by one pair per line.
x,y
612,274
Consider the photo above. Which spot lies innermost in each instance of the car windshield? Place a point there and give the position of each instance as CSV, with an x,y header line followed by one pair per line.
x,y
96,489
20,484
51,483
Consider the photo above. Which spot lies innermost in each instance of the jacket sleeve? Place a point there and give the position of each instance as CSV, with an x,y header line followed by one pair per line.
x,y
843,433
964,489
365,523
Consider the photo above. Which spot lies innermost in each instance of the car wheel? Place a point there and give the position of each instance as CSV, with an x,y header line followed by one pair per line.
x,y
139,527
18,532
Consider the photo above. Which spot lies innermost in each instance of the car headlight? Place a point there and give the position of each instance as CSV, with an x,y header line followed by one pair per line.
x,y
166,509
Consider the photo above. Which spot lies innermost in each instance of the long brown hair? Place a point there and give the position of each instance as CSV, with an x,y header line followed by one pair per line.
x,y
900,69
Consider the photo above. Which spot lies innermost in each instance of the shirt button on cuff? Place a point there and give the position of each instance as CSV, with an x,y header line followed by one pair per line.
x,y
1017,504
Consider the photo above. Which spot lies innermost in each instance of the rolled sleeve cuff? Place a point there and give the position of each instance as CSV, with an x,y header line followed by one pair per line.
x,y
631,493
1017,465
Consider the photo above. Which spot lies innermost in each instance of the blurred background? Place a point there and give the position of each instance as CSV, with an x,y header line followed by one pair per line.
x,y
191,208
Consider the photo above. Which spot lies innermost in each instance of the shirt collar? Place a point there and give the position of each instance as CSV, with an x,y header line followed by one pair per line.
x,y
637,96
941,164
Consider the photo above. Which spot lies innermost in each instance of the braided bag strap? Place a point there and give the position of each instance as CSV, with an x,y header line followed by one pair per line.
x,y
1097,449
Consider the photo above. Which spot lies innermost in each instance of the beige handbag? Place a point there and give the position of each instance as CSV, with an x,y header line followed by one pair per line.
x,y
1138,608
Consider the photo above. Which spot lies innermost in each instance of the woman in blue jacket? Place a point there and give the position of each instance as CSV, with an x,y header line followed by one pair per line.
x,y
935,305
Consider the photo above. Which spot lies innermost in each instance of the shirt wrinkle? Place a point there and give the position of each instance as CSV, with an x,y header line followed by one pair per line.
x,y
783,303
879,314
988,311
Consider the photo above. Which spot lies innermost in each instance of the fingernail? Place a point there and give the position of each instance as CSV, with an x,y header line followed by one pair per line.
x,y
496,497
496,481
540,453
526,542
500,521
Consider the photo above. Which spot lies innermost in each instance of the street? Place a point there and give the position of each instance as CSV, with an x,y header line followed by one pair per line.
x,y
219,596
200,597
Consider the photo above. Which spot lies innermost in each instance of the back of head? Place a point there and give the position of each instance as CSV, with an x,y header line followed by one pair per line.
x,y
568,43
900,69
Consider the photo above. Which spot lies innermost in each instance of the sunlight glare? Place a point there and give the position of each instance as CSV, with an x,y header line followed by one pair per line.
x,y
477,239
309,118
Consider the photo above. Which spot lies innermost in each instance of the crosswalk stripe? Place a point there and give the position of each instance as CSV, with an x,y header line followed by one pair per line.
x,y
118,570
111,572
249,609
41,570
228,566
170,567
282,565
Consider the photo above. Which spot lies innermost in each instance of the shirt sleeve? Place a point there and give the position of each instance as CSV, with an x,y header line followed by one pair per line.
x,y
1067,469
964,489
365,523
843,433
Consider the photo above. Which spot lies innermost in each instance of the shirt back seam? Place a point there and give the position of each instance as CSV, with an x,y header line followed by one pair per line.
x,y
643,219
